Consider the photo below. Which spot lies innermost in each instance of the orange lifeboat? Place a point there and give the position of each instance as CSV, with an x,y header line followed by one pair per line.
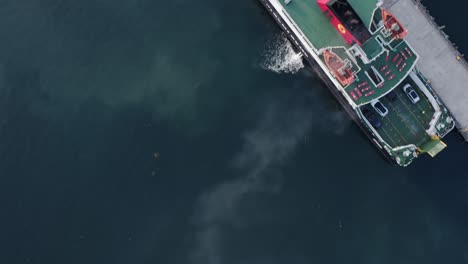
x,y
393,25
338,68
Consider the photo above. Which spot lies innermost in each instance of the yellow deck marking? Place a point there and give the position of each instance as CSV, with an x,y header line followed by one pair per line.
x,y
428,103
422,110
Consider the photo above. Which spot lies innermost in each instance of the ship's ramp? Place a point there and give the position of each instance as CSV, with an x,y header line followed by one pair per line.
x,y
439,61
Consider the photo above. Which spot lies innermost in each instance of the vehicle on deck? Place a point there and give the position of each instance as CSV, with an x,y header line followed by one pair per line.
x,y
411,93
379,108
359,49
374,120
371,117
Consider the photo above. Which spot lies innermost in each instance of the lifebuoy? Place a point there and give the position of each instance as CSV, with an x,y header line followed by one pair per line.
x,y
341,28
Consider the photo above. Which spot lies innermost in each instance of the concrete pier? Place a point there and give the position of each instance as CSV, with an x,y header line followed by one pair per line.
x,y
440,62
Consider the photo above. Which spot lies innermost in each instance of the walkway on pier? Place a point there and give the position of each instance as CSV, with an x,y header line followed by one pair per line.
x,y
439,61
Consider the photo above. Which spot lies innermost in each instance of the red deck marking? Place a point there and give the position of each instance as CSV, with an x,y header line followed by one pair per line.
x,y
391,77
395,58
408,51
369,93
381,85
358,92
386,56
384,68
399,62
387,72
367,88
404,55
362,84
402,67
353,95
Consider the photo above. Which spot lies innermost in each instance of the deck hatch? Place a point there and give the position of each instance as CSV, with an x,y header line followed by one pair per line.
x,y
374,76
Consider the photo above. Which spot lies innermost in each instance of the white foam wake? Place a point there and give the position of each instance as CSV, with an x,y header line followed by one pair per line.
x,y
280,57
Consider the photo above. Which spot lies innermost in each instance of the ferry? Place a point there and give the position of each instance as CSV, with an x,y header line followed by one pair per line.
x,y
360,51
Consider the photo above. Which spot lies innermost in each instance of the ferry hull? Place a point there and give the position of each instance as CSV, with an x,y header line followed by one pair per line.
x,y
323,76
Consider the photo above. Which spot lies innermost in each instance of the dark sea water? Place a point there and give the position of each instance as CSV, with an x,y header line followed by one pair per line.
x,y
147,131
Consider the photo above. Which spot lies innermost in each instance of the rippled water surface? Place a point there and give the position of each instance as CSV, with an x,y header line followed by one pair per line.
x,y
189,132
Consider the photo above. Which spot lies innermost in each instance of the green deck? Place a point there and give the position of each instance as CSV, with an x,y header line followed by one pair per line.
x,y
406,123
364,8
321,33
379,63
315,24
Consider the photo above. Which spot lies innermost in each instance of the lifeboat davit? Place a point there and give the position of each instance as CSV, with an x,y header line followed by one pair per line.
x,y
338,68
393,25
